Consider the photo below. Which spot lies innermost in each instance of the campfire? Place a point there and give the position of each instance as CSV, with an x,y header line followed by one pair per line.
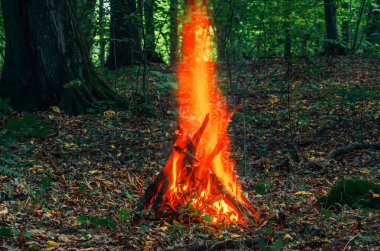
x,y
199,174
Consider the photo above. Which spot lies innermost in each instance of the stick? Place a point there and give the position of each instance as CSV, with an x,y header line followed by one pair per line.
x,y
352,147
255,244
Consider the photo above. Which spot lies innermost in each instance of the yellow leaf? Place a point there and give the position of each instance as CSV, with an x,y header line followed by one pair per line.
x,y
70,145
4,211
148,245
36,168
235,236
52,244
302,193
375,195
95,171
338,97
56,109
274,99
109,113
287,238
364,170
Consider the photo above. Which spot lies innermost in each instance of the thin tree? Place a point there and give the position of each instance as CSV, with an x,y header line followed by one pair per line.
x,y
102,41
46,62
125,45
173,31
150,39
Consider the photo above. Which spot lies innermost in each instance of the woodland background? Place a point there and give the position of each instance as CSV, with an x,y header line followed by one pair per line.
x,y
88,112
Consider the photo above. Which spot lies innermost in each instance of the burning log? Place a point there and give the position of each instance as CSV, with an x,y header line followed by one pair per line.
x,y
154,196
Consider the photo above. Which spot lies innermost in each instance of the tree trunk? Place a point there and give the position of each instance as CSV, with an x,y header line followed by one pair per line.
x,y
332,45
346,26
85,10
330,19
288,39
125,45
173,31
46,62
152,55
361,10
373,30
102,41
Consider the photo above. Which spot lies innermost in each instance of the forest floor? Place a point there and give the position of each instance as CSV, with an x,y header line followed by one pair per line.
x,y
73,182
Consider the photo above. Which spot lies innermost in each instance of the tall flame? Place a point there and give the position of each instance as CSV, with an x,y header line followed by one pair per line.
x,y
201,105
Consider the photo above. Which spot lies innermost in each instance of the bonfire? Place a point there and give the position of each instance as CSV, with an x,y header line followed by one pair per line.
x,y
199,173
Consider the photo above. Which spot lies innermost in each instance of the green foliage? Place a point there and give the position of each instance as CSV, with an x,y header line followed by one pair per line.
x,y
106,222
76,83
355,193
5,108
261,188
6,171
276,247
5,232
27,126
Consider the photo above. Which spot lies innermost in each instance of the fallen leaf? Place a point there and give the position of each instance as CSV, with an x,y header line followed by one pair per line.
x,y
235,236
95,171
302,193
287,238
56,109
36,168
4,211
52,244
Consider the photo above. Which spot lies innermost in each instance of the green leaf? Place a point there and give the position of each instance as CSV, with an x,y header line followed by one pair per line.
x,y
82,218
124,214
5,232
260,188
207,218
45,182
276,247
8,172
85,235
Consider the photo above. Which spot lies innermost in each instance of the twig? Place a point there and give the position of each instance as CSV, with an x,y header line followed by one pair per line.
x,y
345,247
229,244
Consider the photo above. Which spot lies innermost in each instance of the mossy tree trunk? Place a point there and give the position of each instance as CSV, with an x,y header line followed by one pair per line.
x,y
125,46
46,62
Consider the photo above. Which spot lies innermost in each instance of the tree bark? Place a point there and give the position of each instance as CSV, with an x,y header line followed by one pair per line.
x,y
332,45
361,10
173,31
288,38
46,62
152,55
102,41
125,45
346,26
373,30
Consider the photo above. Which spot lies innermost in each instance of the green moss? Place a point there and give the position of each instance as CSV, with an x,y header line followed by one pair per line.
x,y
355,193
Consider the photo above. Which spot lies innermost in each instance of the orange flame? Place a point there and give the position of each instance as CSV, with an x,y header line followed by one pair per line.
x,y
201,105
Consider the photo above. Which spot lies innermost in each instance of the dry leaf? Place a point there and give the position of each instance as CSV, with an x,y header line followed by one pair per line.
x,y
52,244
302,193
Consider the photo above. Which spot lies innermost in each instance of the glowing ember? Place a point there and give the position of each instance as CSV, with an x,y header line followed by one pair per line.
x,y
200,172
